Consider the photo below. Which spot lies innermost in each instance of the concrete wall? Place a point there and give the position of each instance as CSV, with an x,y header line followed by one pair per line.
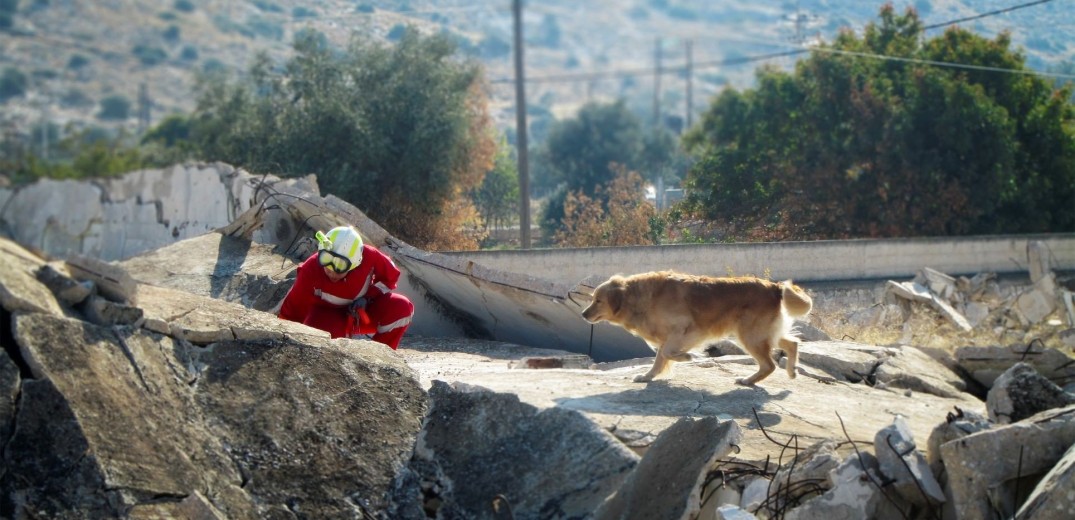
x,y
116,218
800,261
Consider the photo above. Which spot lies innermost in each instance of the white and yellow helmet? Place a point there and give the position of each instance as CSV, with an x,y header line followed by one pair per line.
x,y
340,249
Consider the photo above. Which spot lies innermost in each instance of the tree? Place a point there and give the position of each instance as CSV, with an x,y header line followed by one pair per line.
x,y
580,153
115,108
849,146
497,199
13,83
400,131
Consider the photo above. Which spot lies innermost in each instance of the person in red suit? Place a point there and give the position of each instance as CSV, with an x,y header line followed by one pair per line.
x,y
345,289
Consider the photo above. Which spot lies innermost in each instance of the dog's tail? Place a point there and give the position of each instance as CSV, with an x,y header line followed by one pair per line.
x,y
795,299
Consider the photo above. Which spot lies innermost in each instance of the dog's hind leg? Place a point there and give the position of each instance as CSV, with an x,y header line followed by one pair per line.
x,y
790,346
761,352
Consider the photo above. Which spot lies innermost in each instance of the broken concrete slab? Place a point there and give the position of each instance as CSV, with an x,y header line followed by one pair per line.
x,y
1029,447
477,445
985,364
852,495
1021,392
913,369
9,390
220,267
1052,498
20,291
637,413
668,481
843,360
255,426
902,462
112,281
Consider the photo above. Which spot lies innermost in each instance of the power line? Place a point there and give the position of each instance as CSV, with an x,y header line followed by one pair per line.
x,y
945,63
623,73
985,15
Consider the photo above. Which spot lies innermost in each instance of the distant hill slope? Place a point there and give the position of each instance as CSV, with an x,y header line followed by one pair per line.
x,y
76,53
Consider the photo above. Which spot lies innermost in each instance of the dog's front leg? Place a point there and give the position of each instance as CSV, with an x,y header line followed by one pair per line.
x,y
666,354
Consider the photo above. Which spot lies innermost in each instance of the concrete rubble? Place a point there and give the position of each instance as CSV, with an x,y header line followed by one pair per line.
x,y
158,387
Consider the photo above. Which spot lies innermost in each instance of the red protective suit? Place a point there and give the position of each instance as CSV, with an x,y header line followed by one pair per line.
x,y
317,301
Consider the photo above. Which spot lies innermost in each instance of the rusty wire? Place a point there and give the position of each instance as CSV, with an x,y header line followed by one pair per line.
x,y
865,470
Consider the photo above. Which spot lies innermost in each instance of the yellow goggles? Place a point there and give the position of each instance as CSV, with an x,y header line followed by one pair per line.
x,y
336,262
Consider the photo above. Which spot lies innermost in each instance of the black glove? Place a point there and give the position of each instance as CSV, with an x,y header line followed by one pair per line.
x,y
359,303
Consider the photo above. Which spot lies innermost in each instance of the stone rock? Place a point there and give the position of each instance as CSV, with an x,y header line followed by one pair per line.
x,y
9,389
846,361
1037,256
755,494
67,290
957,425
1053,498
1021,392
1029,447
111,280
938,283
20,291
668,481
731,512
243,272
106,313
115,418
851,495
477,445
808,332
976,313
985,364
814,464
911,368
901,461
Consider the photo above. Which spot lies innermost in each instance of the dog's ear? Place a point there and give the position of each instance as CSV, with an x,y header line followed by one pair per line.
x,y
615,295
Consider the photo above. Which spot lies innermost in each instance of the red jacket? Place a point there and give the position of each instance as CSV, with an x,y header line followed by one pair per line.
x,y
318,301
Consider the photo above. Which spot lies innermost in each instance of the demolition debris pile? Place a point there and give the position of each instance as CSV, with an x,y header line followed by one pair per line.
x,y
157,386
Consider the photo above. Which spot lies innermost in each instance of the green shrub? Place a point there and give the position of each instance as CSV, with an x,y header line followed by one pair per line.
x,y
185,6
172,33
149,55
189,53
364,8
13,83
268,7
77,61
75,98
396,32
114,108
266,28
302,12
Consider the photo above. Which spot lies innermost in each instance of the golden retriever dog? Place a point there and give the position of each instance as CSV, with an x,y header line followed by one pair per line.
x,y
675,313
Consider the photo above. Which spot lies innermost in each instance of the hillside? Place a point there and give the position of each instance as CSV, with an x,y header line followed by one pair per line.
x,y
146,53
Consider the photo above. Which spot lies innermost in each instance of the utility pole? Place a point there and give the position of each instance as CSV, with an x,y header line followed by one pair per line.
x,y
690,75
520,129
657,84
143,108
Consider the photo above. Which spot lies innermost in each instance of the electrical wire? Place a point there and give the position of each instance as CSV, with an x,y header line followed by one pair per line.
x,y
985,15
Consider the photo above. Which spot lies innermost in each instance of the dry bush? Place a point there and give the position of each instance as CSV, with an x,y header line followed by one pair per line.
x,y
617,216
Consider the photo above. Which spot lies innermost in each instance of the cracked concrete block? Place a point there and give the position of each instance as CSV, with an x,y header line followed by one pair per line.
x,y
1053,498
112,281
1021,392
1029,447
667,482
851,496
901,460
